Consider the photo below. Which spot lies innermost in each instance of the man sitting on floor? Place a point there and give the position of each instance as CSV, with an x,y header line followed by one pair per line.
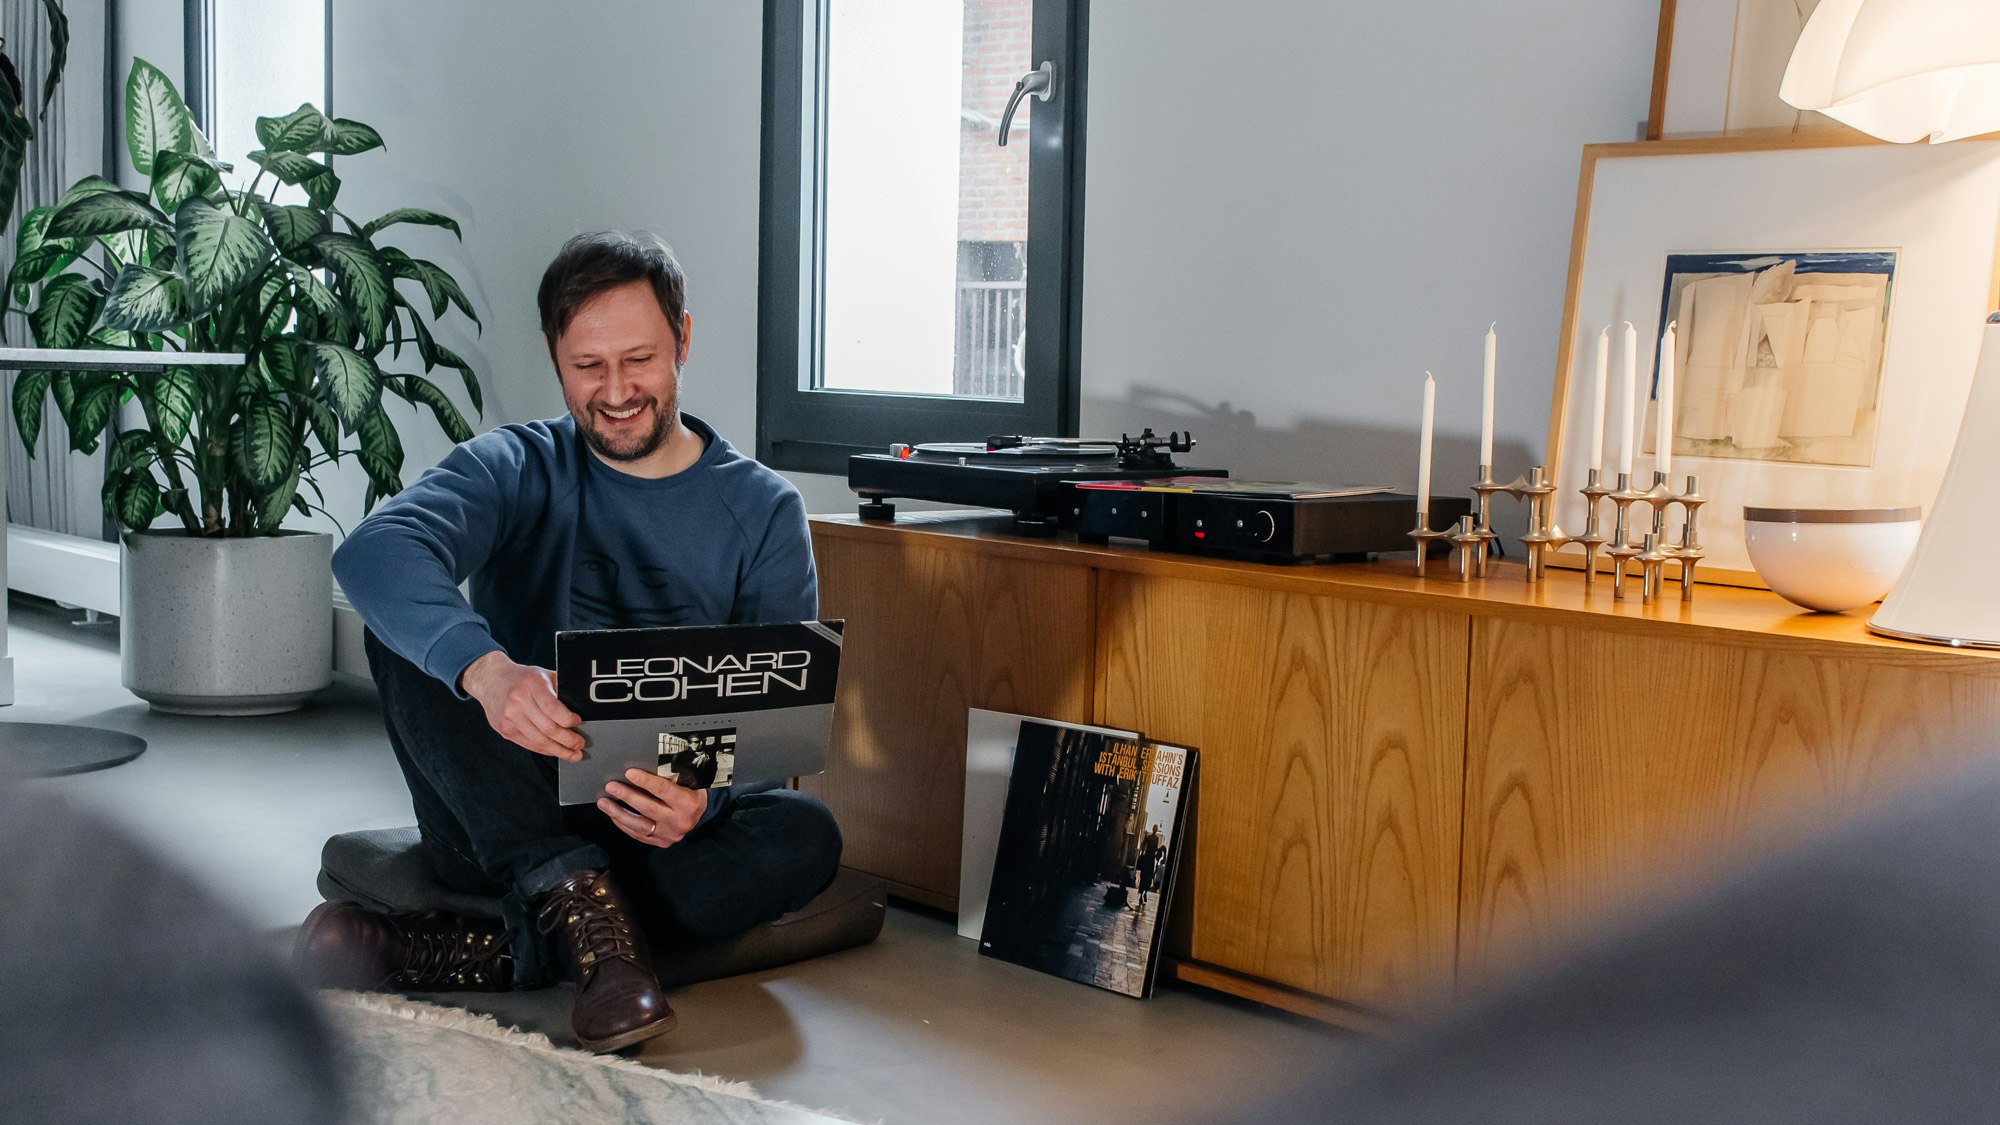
x,y
623,513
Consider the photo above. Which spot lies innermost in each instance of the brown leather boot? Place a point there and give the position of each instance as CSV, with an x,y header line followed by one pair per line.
x,y
618,1000
343,945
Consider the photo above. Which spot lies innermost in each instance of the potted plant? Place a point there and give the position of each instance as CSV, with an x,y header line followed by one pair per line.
x,y
226,611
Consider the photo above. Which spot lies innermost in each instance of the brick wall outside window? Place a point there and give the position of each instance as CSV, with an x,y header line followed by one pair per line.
x,y
993,181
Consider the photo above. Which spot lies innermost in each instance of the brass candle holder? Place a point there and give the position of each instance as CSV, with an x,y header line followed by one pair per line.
x,y
1542,533
1484,488
1654,548
1466,543
1593,539
1424,536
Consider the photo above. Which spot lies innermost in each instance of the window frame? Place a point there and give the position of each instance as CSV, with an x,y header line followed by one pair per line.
x,y
814,430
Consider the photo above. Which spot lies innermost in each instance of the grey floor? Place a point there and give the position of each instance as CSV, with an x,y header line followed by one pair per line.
x,y
915,1028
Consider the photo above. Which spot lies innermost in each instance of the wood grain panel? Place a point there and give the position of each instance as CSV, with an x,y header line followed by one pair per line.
x,y
1607,772
930,633
1332,740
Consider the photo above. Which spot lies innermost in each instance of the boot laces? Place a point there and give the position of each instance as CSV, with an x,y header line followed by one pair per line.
x,y
443,956
596,929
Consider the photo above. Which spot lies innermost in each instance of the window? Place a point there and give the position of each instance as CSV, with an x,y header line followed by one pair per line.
x,y
254,58
917,280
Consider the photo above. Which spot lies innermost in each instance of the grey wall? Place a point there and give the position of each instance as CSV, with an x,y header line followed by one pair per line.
x,y
1294,207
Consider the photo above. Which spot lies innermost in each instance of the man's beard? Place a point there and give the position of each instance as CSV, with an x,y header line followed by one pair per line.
x,y
631,447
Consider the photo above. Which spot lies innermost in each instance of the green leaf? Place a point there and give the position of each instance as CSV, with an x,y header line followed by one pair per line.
x,y
89,185
36,256
63,387
291,227
121,339
423,392
144,299
156,118
321,190
440,286
181,176
287,364
91,410
220,251
105,212
125,246
316,297
354,264
449,358
412,215
304,129
293,168
426,343
133,499
351,138
272,505
169,399
264,449
381,451
14,134
351,382
58,51
325,427
132,450
31,393
68,311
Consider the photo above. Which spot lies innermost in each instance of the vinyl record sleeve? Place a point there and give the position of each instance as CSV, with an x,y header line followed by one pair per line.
x,y
1089,849
706,705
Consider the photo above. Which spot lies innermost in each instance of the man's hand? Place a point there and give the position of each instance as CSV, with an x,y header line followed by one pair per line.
x,y
652,809
520,702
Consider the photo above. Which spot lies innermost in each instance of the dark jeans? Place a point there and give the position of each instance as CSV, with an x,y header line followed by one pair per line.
x,y
492,825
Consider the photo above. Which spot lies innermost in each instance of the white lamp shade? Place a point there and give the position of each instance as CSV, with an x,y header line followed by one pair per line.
x,y
1947,593
1902,70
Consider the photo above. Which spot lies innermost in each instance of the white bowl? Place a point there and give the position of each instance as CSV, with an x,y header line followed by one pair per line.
x,y
1831,559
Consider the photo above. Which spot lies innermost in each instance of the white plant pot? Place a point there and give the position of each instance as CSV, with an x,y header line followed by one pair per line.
x,y
226,626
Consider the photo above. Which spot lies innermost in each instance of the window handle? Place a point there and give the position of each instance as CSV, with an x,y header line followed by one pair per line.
x,y
1041,82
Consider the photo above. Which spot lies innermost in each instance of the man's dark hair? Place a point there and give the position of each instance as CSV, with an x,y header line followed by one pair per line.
x,y
590,264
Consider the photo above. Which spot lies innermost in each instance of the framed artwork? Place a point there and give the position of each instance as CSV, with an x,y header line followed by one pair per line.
x,y
1828,294
1719,64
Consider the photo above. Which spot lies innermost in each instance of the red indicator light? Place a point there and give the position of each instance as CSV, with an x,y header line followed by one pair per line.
x,y
1201,535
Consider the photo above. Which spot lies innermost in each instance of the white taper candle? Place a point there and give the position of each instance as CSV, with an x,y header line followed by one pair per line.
x,y
1424,454
1663,439
1598,404
1628,432
1486,400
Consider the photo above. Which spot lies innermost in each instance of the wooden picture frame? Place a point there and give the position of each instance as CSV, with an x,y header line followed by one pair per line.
x,y
1751,205
1716,68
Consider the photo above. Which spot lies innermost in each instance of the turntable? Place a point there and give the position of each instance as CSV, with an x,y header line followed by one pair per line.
x,y
1033,477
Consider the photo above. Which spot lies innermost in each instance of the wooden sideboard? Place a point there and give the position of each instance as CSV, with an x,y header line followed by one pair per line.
x,y
1404,783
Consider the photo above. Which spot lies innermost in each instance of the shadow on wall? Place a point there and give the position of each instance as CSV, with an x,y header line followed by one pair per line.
x,y
1316,450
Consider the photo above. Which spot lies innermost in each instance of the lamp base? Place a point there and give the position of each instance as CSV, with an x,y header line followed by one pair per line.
x,y
1926,638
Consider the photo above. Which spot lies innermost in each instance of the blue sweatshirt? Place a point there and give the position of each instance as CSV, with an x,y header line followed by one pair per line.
x,y
550,537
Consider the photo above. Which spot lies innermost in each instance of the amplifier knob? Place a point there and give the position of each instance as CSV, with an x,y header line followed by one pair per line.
x,y
1264,526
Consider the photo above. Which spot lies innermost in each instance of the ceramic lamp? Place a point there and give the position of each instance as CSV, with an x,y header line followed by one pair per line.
x,y
1946,596
1906,70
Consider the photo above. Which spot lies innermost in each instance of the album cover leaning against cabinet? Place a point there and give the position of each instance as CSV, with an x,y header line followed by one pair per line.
x,y
705,705
1089,846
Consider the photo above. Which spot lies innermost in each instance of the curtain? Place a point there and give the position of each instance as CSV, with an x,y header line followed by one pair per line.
x,y
57,490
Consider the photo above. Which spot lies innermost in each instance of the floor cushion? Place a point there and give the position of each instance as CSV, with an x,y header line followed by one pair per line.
x,y
386,869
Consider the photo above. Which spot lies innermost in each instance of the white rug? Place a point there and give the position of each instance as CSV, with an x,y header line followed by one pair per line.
x,y
423,1064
